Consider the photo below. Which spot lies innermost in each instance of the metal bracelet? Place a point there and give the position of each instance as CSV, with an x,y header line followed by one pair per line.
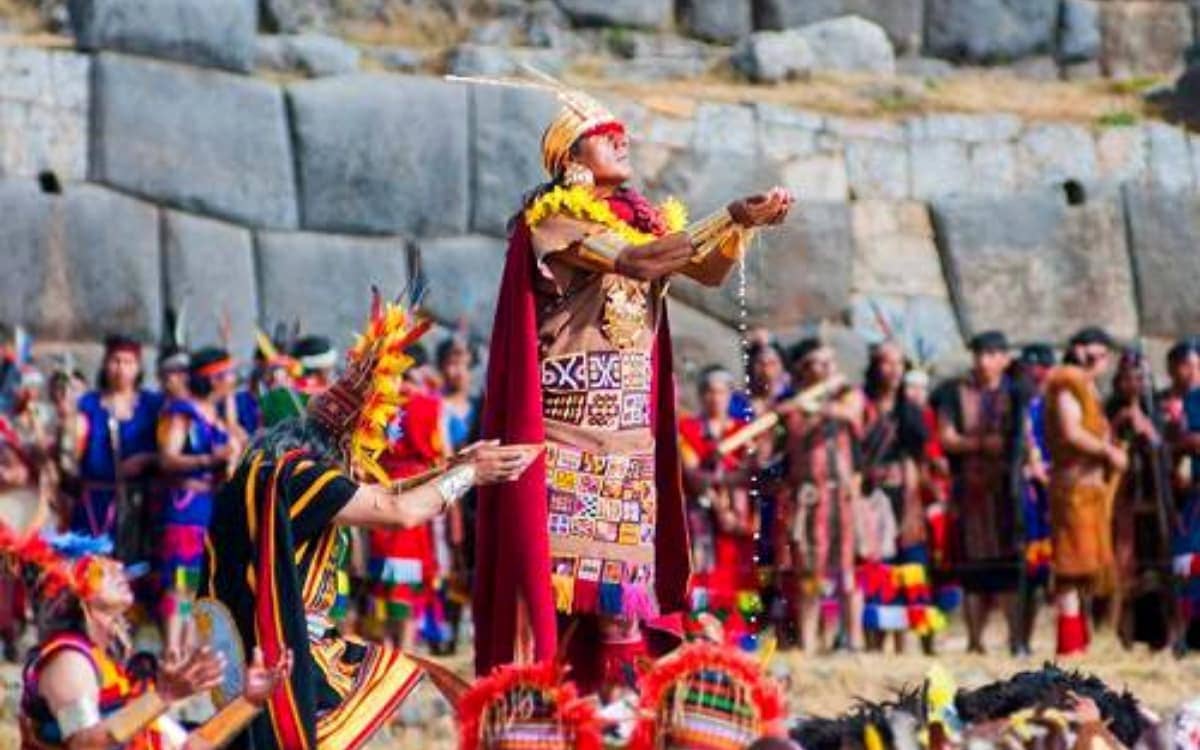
x,y
455,483
78,716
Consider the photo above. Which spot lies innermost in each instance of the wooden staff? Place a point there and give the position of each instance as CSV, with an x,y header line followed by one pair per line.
x,y
1107,581
810,400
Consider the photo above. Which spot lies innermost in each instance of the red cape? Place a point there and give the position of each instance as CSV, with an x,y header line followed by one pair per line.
x,y
513,541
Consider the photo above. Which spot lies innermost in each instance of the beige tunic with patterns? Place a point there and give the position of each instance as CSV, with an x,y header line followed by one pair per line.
x,y
596,335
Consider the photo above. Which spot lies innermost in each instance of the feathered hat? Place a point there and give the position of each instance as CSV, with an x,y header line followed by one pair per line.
x,y
66,564
527,705
707,697
360,402
580,116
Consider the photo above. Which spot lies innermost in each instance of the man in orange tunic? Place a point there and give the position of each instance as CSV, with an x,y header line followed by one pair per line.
x,y
1084,462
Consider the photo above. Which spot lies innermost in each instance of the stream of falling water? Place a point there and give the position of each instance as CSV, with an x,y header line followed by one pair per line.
x,y
743,332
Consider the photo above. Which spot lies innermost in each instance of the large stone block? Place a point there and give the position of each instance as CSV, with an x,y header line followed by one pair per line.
x,y
797,273
507,127
1168,158
1121,154
210,274
964,127
498,60
324,281
382,154
725,128
1164,232
215,33
80,265
1143,37
773,56
463,276
784,133
877,169
903,20
44,105
1035,266
1054,153
1079,31
719,20
894,252
993,167
990,30
708,181
818,177
220,147
850,44
939,168
637,14
313,55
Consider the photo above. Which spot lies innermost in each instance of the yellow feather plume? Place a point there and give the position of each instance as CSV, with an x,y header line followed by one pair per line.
x,y
380,352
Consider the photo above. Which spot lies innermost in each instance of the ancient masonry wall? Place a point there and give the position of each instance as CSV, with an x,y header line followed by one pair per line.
x,y
128,183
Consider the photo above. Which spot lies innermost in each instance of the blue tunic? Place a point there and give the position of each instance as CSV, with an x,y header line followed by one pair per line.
x,y
95,514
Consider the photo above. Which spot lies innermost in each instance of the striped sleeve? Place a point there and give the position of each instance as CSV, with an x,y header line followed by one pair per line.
x,y
315,493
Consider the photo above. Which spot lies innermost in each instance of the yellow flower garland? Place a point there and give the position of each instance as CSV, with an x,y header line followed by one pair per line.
x,y
580,203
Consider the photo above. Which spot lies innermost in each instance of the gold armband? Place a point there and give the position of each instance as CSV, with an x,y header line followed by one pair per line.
x,y
138,714
713,231
602,249
719,242
228,722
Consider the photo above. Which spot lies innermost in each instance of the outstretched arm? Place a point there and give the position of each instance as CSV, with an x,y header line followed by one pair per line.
x,y
721,239
374,505
705,251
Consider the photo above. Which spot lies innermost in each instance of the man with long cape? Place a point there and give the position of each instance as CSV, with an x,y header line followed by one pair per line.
x,y
593,537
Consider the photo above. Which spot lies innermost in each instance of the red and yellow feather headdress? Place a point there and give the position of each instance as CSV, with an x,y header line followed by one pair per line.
x,y
359,404
706,695
520,702
57,572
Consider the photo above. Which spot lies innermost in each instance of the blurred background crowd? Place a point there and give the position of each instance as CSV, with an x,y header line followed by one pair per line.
x,y
828,510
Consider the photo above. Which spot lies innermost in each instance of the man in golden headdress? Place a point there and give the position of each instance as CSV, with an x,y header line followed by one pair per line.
x,y
593,537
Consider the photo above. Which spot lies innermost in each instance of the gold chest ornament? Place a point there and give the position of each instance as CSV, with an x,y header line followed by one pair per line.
x,y
624,313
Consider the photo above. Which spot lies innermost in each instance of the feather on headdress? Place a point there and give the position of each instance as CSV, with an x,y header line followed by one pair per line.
x,y
581,115
705,684
66,564
516,700
359,404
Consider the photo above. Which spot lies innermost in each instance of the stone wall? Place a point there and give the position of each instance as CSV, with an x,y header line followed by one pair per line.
x,y
129,183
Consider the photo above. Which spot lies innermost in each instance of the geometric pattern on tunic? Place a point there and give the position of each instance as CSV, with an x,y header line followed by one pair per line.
x,y
601,390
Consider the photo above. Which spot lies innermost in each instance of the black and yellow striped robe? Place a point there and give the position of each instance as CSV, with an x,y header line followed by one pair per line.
x,y
271,557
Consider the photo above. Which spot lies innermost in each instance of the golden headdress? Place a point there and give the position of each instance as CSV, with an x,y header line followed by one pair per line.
x,y
581,115
360,403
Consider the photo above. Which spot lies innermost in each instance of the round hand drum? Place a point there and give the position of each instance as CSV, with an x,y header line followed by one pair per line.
x,y
216,629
